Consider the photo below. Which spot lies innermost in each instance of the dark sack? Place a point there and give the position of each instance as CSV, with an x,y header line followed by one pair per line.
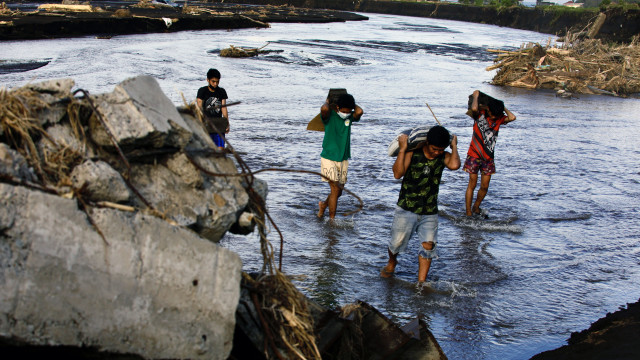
x,y
484,100
216,125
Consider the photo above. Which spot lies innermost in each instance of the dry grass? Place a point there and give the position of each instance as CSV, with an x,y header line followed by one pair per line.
x,y
122,13
22,130
285,316
197,10
148,4
19,126
287,323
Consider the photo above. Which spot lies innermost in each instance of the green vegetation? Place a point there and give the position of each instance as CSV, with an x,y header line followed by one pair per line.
x,y
561,10
503,3
620,4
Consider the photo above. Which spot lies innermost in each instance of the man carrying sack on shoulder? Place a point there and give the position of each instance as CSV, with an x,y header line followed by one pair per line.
x,y
336,147
487,115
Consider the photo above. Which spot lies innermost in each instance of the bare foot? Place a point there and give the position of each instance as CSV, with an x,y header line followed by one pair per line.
x,y
387,271
323,206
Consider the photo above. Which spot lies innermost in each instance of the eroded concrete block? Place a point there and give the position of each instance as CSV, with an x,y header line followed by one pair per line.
x,y
148,288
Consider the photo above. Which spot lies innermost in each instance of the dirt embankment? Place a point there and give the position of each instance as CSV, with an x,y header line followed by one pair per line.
x,y
620,25
106,22
613,337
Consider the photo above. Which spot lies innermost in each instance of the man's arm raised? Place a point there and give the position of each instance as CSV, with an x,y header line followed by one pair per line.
x,y
510,116
357,113
401,164
452,160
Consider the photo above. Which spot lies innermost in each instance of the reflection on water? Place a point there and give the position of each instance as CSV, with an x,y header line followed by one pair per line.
x,y
559,248
407,26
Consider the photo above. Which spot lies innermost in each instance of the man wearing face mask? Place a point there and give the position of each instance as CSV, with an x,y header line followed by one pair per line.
x,y
336,147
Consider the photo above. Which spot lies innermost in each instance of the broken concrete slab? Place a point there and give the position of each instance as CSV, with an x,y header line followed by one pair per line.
x,y
147,288
100,182
53,86
139,114
84,263
14,165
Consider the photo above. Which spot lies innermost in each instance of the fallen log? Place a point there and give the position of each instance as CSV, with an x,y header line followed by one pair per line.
x,y
240,52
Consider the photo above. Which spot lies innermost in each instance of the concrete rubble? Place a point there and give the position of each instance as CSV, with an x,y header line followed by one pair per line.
x,y
116,249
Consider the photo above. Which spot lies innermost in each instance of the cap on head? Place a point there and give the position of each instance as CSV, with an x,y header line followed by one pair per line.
x,y
213,73
438,136
346,101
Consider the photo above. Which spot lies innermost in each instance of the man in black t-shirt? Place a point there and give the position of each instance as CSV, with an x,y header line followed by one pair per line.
x,y
211,99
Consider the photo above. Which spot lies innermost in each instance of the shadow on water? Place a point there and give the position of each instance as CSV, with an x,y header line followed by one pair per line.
x,y
405,26
475,264
459,51
8,67
330,272
493,223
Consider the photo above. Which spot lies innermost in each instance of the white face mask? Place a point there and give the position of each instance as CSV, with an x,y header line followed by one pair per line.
x,y
344,116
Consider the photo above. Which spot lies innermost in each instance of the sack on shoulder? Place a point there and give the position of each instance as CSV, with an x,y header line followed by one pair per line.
x,y
484,101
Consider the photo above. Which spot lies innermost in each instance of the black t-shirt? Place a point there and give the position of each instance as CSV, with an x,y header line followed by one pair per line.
x,y
211,99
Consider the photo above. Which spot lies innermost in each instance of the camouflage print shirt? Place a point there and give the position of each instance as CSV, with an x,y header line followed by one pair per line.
x,y
421,183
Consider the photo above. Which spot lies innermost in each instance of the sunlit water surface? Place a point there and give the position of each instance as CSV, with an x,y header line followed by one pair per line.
x,y
560,248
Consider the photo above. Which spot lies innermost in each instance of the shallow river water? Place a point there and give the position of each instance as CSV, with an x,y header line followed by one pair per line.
x,y
560,248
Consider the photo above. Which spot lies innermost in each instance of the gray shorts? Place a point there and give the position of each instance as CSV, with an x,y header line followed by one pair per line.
x,y
405,223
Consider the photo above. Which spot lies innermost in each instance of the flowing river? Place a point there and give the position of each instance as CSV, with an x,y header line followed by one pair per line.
x,y
560,248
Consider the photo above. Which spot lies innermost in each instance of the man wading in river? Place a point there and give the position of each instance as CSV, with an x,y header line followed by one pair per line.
x,y
336,147
487,120
417,208
211,100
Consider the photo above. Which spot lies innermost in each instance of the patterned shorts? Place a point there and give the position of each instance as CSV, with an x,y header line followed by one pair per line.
x,y
472,165
334,170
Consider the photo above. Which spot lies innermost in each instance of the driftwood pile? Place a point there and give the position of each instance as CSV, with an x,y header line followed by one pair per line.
x,y
240,52
198,10
150,5
580,64
583,67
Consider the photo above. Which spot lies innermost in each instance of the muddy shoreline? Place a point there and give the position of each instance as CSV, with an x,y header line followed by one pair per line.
x,y
620,26
614,336
136,20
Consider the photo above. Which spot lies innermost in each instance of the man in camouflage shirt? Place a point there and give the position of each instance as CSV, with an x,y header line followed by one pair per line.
x,y
417,208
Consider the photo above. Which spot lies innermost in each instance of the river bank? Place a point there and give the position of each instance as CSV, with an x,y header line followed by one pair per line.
x,y
621,25
614,336
121,20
